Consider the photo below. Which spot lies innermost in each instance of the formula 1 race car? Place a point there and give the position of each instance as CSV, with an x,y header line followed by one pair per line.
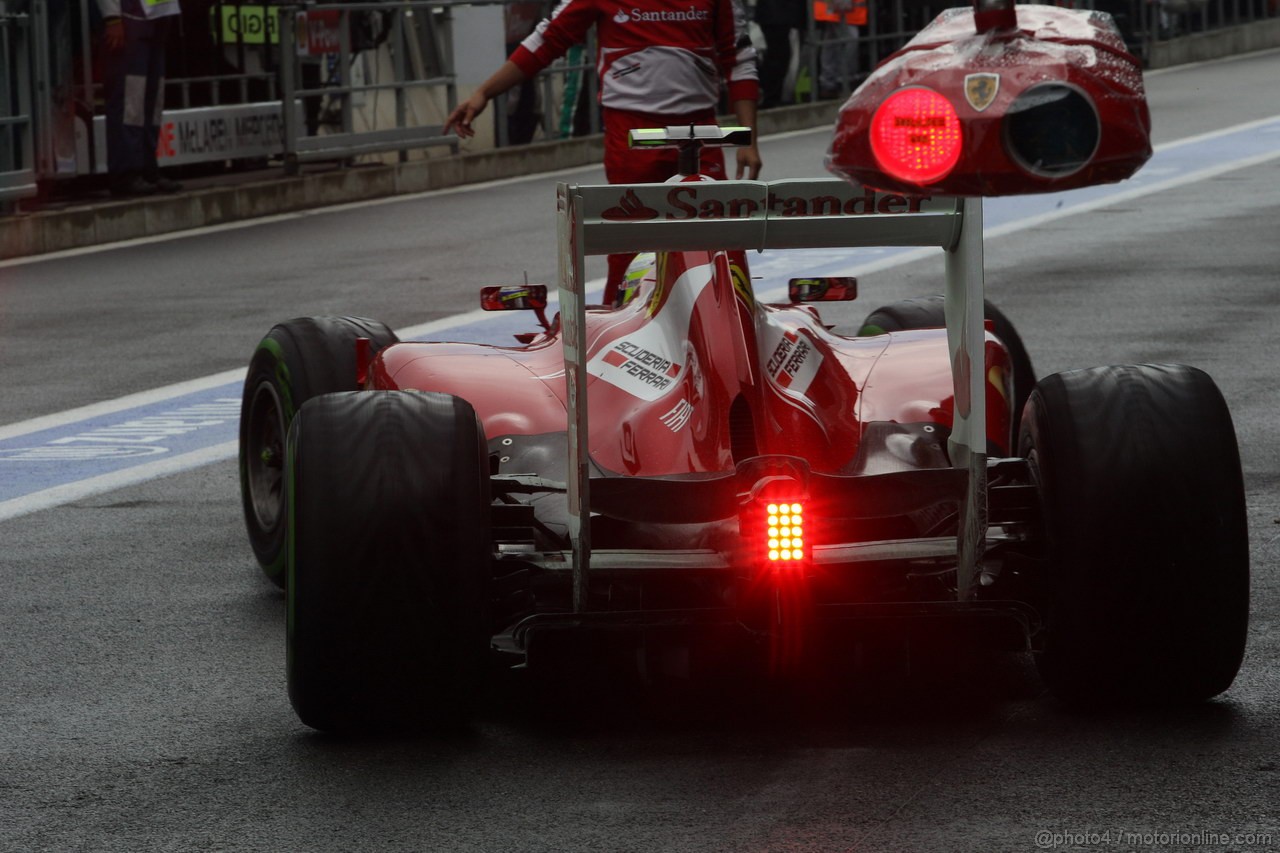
x,y
689,467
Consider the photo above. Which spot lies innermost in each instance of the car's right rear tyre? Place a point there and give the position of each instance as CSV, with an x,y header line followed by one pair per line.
x,y
1146,532
389,560
928,312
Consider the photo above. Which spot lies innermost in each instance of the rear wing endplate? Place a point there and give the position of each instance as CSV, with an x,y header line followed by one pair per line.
x,y
790,214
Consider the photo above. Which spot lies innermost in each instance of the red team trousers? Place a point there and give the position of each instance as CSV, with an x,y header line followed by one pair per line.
x,y
624,165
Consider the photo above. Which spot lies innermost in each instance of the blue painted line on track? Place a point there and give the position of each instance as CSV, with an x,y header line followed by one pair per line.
x,y
103,445
110,443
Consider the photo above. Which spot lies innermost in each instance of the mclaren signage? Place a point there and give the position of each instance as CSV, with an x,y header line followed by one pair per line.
x,y
243,132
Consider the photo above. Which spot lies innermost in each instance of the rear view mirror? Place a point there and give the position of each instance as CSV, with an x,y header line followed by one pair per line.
x,y
828,289
514,297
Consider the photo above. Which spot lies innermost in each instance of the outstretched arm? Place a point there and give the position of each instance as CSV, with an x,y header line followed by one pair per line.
x,y
506,77
113,29
749,162
737,60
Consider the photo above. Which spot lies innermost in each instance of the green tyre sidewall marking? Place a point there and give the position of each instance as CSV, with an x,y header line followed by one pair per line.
x,y
283,382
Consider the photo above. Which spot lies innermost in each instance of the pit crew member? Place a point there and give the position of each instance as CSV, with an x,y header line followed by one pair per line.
x,y
660,63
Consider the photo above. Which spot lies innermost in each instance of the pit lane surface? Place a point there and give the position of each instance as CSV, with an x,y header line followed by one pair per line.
x,y
141,694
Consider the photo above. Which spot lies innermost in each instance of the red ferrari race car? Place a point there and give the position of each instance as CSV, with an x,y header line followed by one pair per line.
x,y
689,467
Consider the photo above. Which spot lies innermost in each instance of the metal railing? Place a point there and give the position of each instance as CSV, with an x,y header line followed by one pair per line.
x,y
1155,24
1147,26
563,87
418,38
17,148
420,52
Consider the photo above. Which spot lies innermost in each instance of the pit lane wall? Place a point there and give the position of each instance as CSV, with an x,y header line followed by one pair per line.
x,y
1214,44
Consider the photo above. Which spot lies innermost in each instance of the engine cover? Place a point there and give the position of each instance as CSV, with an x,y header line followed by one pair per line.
x,y
1052,102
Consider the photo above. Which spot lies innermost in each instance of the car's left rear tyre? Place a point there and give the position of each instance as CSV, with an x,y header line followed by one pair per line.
x,y
1146,532
389,559
297,360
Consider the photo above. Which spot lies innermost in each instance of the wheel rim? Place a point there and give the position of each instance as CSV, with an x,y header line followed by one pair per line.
x,y
265,457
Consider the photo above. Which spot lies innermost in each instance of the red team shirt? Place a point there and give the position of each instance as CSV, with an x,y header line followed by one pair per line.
x,y
660,62
660,57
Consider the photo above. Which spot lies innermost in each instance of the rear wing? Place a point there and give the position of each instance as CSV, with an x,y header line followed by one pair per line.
x,y
790,214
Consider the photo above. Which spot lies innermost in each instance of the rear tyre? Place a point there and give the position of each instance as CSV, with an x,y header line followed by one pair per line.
x,y
927,312
389,555
297,360
1144,516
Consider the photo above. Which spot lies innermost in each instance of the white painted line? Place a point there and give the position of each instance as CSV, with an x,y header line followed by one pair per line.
x,y
59,495
1214,134
131,401
1128,195
454,320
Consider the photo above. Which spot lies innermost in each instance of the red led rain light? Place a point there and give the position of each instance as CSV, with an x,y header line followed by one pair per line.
x,y
915,136
785,539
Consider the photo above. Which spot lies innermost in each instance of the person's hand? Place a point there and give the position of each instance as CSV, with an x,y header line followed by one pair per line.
x,y
749,163
113,34
460,119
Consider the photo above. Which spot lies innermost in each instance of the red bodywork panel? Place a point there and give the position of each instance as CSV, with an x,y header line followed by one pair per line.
x,y
679,372
982,75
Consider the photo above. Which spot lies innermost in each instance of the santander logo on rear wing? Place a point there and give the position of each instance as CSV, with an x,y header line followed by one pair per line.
x,y
755,215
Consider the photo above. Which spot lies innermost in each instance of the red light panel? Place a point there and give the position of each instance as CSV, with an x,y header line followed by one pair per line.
x,y
786,543
915,136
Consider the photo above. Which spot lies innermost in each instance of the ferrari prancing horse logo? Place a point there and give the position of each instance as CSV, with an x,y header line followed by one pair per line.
x,y
981,89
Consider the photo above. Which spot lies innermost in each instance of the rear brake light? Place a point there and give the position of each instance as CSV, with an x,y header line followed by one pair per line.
x,y
786,542
915,136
